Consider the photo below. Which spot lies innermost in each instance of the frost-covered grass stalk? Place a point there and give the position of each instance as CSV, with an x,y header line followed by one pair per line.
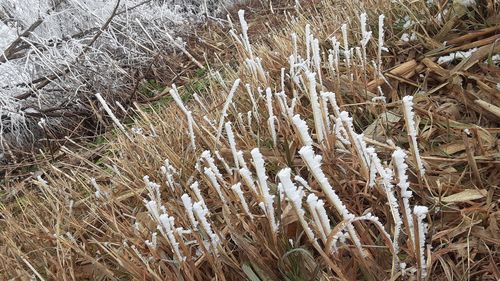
x,y
201,214
168,170
167,229
254,103
400,167
302,130
241,159
211,163
325,112
380,43
320,216
110,113
188,205
267,198
333,58
347,52
232,144
313,162
244,35
356,141
294,195
366,36
177,98
228,102
213,180
412,132
272,118
195,187
333,102
308,43
386,179
224,163
316,57
239,193
420,231
316,108
246,175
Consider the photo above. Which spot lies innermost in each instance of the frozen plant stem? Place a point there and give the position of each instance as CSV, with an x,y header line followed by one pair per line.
x,y
228,102
272,118
168,229
232,143
316,108
294,196
420,231
318,212
267,198
347,52
314,164
301,127
213,180
398,157
238,192
177,98
188,205
111,114
380,43
201,215
211,164
412,132
244,35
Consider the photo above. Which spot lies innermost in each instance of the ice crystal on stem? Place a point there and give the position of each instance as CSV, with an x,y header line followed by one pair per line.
x,y
347,52
232,143
244,36
237,190
272,118
317,115
195,187
246,175
314,164
167,228
380,43
412,131
175,95
386,175
188,205
227,103
168,170
213,180
421,229
211,163
318,212
267,198
400,166
294,196
201,215
302,129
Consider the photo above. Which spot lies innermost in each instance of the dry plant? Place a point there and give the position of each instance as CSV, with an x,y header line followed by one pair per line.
x,y
322,146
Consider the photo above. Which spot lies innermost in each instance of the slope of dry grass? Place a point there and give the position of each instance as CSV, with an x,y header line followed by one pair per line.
x,y
89,216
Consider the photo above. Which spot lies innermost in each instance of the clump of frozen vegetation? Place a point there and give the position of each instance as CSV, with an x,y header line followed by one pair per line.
x,y
56,55
246,193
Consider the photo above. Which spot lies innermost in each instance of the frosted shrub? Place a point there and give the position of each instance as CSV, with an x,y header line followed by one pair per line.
x,y
58,54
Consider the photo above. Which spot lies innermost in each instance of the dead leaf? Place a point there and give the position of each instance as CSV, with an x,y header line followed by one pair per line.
x,y
466,195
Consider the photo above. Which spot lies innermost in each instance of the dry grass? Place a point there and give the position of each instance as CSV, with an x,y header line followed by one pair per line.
x,y
57,227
